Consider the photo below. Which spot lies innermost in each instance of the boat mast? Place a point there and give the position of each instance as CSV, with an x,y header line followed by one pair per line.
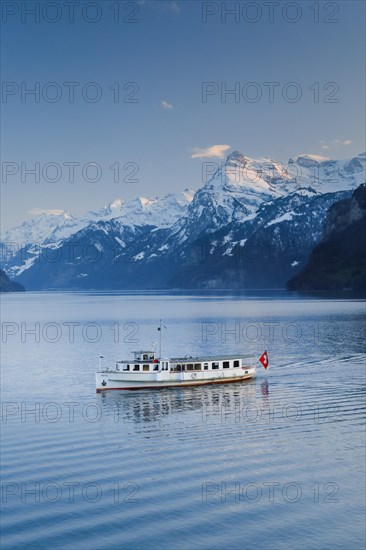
x,y
160,331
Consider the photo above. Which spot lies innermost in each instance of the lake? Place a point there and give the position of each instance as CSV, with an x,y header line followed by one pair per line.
x,y
275,462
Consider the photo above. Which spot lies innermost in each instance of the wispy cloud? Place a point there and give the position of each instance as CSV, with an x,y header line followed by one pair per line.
x,y
49,212
174,7
162,5
317,158
166,105
335,143
215,151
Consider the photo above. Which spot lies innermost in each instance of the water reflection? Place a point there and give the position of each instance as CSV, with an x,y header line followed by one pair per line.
x,y
265,388
156,406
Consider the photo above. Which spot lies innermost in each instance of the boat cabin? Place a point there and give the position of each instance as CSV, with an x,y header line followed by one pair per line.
x,y
143,361
144,355
146,361
205,365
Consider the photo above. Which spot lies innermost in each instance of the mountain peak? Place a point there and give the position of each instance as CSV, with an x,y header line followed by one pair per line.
x,y
237,155
117,203
144,201
310,159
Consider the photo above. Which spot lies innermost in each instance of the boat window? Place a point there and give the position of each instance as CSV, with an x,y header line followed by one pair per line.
x,y
236,363
226,364
190,366
197,366
215,365
146,368
126,367
205,366
144,357
136,367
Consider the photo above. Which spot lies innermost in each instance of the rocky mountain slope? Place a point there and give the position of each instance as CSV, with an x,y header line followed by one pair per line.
x,y
6,285
338,262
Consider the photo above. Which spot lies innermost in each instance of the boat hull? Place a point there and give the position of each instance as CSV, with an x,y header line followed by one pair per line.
x,y
108,380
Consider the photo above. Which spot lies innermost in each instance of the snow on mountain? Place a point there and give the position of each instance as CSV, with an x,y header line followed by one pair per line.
x,y
160,212
329,176
163,229
242,176
23,243
261,252
37,229
288,216
241,184
316,158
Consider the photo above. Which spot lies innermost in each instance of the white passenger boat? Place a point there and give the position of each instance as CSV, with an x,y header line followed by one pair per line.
x,y
149,370
145,370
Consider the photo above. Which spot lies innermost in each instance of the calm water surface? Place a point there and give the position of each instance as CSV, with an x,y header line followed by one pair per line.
x,y
277,462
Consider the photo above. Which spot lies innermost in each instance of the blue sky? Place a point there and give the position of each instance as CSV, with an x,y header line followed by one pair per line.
x,y
168,53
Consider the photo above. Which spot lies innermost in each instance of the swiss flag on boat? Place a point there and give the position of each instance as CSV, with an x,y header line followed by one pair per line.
x,y
264,359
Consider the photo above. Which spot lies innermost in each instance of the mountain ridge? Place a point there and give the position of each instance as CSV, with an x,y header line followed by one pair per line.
x,y
148,241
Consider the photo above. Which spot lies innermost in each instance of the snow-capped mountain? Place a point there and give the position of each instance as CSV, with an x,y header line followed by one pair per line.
x,y
38,229
21,246
241,184
158,242
58,225
263,251
160,212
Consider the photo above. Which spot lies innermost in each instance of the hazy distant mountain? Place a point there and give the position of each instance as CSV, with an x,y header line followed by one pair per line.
x,y
253,224
338,262
22,246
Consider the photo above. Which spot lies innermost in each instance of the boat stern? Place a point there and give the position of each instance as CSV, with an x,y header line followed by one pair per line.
x,y
101,381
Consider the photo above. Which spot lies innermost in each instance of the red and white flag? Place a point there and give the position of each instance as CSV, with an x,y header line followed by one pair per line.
x,y
264,359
